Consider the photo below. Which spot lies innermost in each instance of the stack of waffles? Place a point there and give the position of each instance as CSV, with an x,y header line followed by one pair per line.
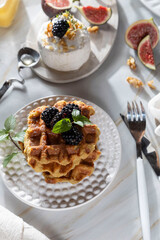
x,y
47,152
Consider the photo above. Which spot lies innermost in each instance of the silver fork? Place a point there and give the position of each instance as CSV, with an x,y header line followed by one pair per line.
x,y
136,118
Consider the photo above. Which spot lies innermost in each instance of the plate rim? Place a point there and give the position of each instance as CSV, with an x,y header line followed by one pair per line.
x,y
86,74
30,204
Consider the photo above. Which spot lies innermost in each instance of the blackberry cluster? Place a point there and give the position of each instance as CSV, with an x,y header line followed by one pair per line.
x,y
73,136
51,116
60,27
48,114
55,119
67,110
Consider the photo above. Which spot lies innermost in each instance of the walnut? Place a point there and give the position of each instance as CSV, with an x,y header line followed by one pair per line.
x,y
135,82
150,84
131,63
70,35
93,29
48,32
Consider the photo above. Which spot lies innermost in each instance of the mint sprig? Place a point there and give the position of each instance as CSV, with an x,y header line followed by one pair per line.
x,y
10,123
65,124
8,158
61,126
80,119
8,134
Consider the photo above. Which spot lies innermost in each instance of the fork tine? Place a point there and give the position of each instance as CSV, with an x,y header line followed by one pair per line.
x,y
143,112
133,111
138,111
129,111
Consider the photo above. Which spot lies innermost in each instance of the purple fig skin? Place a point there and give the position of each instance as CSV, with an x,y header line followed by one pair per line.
x,y
108,11
149,64
49,11
145,32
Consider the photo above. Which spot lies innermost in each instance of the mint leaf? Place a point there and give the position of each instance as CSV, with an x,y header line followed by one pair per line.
x,y
3,131
10,123
80,119
8,158
75,114
19,137
3,137
61,126
81,124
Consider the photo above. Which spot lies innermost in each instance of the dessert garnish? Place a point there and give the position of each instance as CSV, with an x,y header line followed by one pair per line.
x,y
73,136
7,134
76,118
60,28
99,15
48,115
65,124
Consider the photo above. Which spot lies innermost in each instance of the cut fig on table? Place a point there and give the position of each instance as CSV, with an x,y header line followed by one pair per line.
x,y
95,15
140,29
145,53
53,7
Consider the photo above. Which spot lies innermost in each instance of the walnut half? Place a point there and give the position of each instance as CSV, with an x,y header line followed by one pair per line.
x,y
135,82
150,84
93,29
131,63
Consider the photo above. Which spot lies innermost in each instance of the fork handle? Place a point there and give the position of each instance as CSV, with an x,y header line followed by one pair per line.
x,y
143,199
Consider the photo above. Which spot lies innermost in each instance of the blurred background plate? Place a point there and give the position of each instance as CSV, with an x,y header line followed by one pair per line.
x,y
101,44
31,188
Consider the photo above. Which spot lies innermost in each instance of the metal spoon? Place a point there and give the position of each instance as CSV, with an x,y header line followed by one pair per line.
x,y
27,58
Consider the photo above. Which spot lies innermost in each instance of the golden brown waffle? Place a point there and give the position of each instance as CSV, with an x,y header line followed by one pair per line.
x,y
82,170
47,152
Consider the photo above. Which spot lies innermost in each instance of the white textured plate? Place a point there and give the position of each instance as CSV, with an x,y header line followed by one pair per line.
x,y
31,188
152,5
101,44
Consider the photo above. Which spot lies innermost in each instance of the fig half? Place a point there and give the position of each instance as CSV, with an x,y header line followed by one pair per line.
x,y
140,29
54,7
145,53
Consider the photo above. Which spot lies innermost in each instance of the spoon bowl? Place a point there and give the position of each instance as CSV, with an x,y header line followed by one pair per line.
x,y
27,57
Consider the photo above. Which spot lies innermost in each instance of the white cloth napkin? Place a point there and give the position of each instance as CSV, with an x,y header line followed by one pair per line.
x,y
14,228
154,109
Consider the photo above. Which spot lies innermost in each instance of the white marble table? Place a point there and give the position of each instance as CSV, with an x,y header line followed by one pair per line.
x,y
115,214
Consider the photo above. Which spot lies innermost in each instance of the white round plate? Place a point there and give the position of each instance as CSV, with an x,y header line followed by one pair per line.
x,y
31,188
101,44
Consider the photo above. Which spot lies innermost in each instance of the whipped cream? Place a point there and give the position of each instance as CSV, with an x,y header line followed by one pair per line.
x,y
68,53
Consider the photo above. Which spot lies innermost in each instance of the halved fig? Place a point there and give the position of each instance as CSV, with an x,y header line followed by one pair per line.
x,y
140,29
54,7
95,15
145,53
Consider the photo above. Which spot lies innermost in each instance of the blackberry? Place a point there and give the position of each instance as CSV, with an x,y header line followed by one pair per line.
x,y
60,27
55,119
67,110
48,114
73,136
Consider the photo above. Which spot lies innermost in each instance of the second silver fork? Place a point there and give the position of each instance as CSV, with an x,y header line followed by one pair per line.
x,y
137,123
